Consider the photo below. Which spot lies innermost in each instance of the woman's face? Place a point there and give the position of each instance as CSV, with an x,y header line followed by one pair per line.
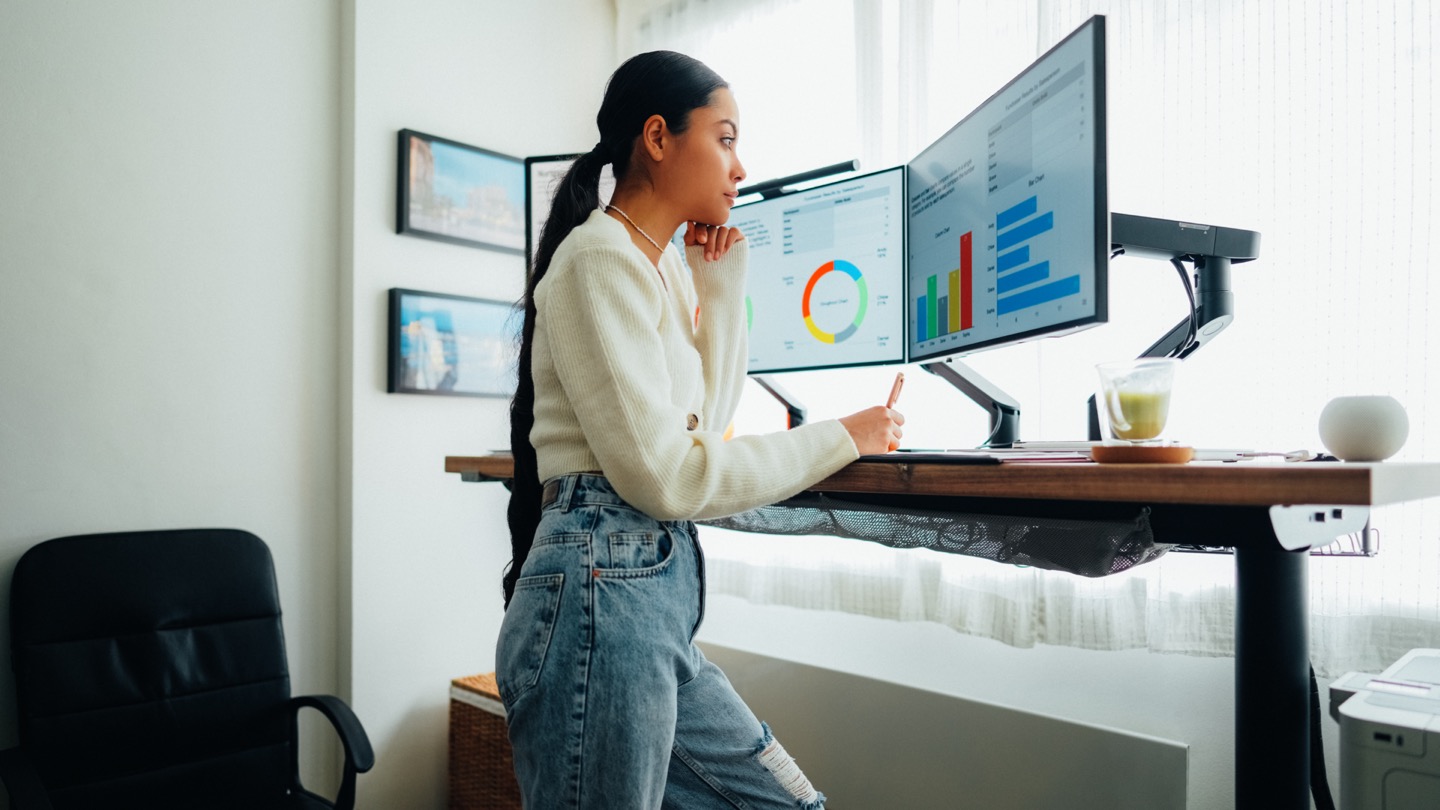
x,y
705,171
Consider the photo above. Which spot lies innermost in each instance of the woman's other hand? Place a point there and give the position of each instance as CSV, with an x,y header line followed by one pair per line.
x,y
875,430
717,239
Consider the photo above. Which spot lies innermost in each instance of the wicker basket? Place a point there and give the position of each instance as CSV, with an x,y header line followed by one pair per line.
x,y
482,770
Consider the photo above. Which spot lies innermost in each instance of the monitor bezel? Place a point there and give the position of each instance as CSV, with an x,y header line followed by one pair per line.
x,y
1102,213
904,172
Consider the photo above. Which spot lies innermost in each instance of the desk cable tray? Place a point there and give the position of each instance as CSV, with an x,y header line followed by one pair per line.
x,y
1085,546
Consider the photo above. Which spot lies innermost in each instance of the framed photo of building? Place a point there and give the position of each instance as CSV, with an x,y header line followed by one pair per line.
x,y
452,345
459,193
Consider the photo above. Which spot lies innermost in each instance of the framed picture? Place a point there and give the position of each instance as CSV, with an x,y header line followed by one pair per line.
x,y
452,345
459,193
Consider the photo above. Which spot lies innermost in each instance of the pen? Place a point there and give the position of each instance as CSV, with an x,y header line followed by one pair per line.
x,y
895,389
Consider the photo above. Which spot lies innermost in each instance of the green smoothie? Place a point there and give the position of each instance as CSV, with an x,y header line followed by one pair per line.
x,y
1143,414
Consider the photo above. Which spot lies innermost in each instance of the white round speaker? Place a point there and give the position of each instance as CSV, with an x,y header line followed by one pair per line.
x,y
1370,428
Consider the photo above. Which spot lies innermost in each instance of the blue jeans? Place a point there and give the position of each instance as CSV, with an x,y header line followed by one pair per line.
x,y
609,702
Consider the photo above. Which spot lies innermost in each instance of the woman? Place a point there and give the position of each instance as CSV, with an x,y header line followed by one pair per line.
x,y
620,409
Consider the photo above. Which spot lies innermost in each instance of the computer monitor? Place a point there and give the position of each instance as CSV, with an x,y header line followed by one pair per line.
x,y
542,175
826,283
1009,220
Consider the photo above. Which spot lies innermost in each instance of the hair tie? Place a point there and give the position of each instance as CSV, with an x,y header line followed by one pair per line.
x,y
602,151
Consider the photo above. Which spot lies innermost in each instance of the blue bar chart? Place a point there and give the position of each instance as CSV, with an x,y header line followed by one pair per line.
x,y
1022,284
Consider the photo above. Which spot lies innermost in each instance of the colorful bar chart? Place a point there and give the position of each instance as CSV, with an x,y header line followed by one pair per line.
x,y
938,315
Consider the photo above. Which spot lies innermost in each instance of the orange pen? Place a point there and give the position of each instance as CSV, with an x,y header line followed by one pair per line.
x,y
895,389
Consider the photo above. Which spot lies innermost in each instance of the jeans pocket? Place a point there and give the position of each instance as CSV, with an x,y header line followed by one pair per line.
x,y
635,554
525,634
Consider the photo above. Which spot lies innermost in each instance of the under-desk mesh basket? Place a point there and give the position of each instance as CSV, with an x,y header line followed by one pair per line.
x,y
1088,547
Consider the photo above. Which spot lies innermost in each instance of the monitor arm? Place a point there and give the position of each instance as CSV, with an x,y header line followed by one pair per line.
x,y
1212,249
1003,409
794,409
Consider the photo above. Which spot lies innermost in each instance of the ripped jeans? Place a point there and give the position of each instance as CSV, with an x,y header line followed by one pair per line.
x,y
609,702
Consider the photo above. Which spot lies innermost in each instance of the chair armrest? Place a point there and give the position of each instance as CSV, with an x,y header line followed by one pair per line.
x,y
20,779
359,756
358,753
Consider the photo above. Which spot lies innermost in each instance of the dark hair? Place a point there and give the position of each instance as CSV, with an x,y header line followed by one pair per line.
x,y
661,83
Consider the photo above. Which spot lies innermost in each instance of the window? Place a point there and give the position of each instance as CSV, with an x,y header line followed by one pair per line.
x,y
1310,122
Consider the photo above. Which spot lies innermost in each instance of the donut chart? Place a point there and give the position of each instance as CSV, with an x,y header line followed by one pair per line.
x,y
836,266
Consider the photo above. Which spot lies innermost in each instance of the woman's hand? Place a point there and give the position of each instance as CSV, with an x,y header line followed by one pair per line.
x,y
717,239
875,430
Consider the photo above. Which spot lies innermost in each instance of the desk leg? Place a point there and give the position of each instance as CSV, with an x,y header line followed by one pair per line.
x,y
1272,679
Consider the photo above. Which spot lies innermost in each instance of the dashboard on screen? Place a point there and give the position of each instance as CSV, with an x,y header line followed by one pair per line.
x,y
1008,215
826,282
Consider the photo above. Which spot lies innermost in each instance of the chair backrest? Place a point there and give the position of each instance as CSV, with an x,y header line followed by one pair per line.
x,y
150,669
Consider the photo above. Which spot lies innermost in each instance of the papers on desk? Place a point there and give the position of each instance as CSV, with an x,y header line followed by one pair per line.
x,y
933,457
1063,453
997,455
1201,453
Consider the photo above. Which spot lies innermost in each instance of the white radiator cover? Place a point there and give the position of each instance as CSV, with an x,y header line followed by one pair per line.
x,y
868,743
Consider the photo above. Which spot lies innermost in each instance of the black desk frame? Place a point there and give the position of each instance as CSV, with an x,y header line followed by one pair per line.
x,y
1272,631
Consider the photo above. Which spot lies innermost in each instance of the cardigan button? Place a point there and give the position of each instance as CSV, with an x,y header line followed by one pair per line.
x,y
692,421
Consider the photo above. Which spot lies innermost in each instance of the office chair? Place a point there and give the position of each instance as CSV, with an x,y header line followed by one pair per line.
x,y
150,672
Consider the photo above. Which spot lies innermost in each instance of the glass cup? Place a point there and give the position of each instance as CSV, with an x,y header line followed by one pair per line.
x,y
1135,397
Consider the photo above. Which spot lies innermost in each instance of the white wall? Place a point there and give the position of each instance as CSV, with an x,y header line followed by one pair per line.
x,y
168,265
195,243
426,551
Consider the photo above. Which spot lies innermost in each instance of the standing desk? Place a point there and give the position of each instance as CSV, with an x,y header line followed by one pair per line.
x,y
1270,514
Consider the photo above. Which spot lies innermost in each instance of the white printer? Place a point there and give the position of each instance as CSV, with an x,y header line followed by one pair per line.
x,y
1390,735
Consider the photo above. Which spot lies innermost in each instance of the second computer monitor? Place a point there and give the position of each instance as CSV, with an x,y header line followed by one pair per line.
x,y
826,283
1009,220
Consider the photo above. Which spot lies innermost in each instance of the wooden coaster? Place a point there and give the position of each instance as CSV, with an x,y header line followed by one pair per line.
x,y
1141,454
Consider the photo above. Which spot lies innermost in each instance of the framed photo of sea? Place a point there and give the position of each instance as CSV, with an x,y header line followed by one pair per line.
x,y
452,345
458,193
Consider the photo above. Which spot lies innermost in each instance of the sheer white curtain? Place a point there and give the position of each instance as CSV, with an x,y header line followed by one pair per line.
x,y
1311,122
788,89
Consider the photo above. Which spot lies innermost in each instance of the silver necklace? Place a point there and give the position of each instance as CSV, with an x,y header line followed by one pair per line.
x,y
636,227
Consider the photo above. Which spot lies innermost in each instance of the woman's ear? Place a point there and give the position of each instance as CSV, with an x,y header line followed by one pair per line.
x,y
655,137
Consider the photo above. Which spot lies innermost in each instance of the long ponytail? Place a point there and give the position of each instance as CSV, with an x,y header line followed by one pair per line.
x,y
661,83
577,196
